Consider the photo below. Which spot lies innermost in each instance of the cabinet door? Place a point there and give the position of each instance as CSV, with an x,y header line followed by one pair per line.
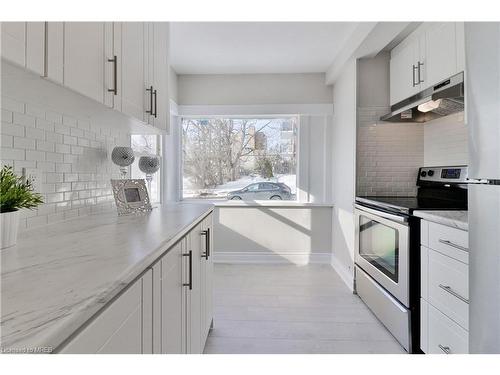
x,y
160,35
13,42
403,75
172,298
84,58
207,278
123,327
55,51
133,69
440,53
35,47
194,294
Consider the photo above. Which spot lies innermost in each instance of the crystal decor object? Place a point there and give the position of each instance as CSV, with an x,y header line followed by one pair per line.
x,y
123,157
149,165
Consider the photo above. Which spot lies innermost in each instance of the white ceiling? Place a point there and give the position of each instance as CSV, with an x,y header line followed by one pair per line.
x,y
256,47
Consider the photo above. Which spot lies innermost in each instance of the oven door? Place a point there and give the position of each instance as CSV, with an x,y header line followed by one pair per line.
x,y
382,249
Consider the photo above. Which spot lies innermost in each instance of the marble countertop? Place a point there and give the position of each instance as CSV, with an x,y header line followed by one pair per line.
x,y
456,219
60,275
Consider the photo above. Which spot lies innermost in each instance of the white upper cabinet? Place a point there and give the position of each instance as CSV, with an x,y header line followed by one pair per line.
x,y
123,65
132,65
23,43
434,52
55,52
35,47
158,34
403,70
13,42
440,52
84,58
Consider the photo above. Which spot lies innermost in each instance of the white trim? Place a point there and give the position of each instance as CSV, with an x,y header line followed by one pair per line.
x,y
269,203
174,108
346,276
259,257
255,110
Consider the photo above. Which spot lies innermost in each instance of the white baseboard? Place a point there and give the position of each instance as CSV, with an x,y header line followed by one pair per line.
x,y
346,276
272,258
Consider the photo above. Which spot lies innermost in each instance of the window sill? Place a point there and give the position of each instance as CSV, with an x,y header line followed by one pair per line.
x,y
267,203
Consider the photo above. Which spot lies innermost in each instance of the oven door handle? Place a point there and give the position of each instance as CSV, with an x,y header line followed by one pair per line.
x,y
386,215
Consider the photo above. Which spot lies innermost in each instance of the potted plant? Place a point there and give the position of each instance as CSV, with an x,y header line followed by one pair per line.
x,y
15,193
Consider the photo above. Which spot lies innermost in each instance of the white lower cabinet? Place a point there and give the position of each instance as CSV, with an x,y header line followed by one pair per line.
x,y
444,303
444,336
124,327
182,294
168,310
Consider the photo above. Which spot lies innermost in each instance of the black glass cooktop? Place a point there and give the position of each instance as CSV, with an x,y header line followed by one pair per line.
x,y
409,204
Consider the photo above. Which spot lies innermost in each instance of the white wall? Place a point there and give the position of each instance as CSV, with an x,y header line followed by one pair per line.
x,y
247,89
446,141
298,235
344,171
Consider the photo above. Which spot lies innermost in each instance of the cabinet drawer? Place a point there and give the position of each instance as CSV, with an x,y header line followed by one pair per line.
x,y
449,241
448,287
444,335
115,330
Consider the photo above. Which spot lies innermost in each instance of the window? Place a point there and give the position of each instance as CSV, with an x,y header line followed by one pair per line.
x,y
144,145
239,158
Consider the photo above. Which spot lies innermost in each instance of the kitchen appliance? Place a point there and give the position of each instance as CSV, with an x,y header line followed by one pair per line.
x,y
482,52
442,99
388,248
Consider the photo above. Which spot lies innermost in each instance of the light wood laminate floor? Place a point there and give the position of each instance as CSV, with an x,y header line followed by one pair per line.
x,y
291,309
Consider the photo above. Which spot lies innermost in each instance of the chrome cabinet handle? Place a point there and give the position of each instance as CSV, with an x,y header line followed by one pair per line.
x,y
452,244
445,349
155,114
206,233
413,75
150,111
419,65
190,256
114,60
448,289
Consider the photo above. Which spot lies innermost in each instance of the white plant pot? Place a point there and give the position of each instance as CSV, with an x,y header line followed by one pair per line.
x,y
9,222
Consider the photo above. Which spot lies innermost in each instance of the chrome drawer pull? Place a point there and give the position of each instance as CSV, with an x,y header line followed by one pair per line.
x,y
445,349
448,289
449,243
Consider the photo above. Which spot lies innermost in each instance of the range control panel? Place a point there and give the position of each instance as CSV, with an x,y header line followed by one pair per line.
x,y
456,174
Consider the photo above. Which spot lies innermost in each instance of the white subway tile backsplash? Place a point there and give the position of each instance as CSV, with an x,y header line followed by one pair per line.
x,y
69,140
35,133
22,119
446,141
13,154
12,129
72,184
35,155
45,146
54,117
7,141
12,105
388,154
7,116
27,144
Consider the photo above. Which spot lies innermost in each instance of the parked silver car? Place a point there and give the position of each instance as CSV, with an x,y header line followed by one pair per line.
x,y
262,191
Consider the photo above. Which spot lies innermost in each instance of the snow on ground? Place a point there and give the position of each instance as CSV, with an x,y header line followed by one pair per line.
x,y
221,191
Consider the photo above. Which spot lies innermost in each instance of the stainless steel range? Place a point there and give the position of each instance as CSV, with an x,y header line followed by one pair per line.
x,y
388,248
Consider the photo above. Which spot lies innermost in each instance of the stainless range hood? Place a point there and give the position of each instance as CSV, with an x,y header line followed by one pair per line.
x,y
443,99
